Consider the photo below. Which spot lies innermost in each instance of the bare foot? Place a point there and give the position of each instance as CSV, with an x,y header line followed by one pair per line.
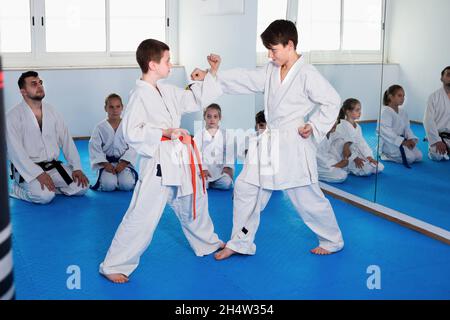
x,y
116,277
224,254
320,251
222,245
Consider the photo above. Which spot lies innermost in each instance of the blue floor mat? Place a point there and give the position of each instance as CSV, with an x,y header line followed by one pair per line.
x,y
77,231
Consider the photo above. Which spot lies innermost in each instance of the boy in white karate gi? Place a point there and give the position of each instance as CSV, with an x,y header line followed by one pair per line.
x,y
285,156
361,161
35,132
398,143
109,154
217,150
168,166
437,120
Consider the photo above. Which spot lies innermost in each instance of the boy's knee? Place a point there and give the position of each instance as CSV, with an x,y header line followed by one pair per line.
x,y
42,196
341,176
436,156
126,184
126,180
108,182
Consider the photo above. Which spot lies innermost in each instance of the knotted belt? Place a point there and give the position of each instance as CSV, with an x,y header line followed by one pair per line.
x,y
47,166
189,142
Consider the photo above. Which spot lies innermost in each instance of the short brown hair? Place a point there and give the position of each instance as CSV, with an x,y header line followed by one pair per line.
x,y
150,50
113,96
280,32
213,106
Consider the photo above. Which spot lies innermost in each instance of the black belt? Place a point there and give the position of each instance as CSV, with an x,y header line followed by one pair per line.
x,y
55,164
403,154
444,135
111,159
47,166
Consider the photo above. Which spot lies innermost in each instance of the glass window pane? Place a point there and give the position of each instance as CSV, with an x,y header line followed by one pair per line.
x,y
268,11
15,29
75,25
135,20
362,25
319,24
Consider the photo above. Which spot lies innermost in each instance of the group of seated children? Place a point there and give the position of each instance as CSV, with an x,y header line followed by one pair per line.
x,y
344,150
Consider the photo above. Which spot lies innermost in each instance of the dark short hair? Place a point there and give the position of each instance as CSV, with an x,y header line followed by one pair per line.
x,y
260,118
280,32
23,76
391,91
213,106
150,50
445,69
113,96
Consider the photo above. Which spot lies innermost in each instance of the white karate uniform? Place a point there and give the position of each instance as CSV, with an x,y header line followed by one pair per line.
x,y
393,129
28,145
359,148
436,120
144,118
280,159
217,153
329,152
107,142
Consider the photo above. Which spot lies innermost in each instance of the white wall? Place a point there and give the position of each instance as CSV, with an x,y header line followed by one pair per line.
x,y
79,94
417,33
231,36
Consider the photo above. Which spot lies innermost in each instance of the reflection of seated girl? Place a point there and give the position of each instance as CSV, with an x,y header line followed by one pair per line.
x,y
331,165
397,141
360,156
217,150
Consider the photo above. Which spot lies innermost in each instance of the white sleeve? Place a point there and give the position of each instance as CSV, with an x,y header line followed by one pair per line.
x,y
199,95
140,136
320,92
340,138
96,154
430,123
364,146
243,81
325,159
387,132
65,141
130,155
17,154
229,150
409,134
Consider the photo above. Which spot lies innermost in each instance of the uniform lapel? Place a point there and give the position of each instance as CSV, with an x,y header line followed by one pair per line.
x,y
287,82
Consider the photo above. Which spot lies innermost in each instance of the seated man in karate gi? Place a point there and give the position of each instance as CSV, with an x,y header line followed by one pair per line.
x,y
35,132
437,120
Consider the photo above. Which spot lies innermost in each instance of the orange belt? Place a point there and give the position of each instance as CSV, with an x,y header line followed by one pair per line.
x,y
188,141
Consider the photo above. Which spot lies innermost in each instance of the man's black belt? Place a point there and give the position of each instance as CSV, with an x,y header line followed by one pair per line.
x,y
444,135
55,164
47,166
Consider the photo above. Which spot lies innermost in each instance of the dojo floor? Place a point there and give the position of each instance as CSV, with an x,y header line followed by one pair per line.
x,y
77,231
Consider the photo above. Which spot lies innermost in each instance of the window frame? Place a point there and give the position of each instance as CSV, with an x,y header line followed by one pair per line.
x,y
334,56
39,58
